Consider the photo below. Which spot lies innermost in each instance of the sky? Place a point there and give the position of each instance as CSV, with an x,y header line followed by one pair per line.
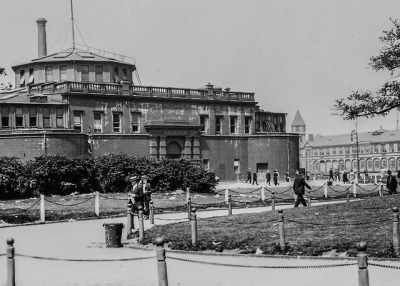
x,y
295,55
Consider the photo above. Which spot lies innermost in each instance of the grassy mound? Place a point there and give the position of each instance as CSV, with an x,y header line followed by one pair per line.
x,y
309,231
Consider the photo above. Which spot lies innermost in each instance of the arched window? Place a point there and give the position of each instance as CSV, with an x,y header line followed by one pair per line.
x,y
174,150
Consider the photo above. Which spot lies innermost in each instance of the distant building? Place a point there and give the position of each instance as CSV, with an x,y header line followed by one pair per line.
x,y
379,149
76,102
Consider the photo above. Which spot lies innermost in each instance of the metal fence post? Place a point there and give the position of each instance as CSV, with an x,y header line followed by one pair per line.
x,y
273,201
355,189
42,210
326,190
141,224
97,204
263,193
226,195
396,230
129,219
10,262
362,262
187,194
309,198
193,222
381,190
230,205
161,263
189,207
347,196
151,215
281,230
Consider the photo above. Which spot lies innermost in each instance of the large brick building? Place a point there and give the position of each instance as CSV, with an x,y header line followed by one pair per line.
x,y
75,101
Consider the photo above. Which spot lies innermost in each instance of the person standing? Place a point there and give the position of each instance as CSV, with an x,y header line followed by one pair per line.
x,y
337,175
137,193
147,190
330,175
391,183
308,175
248,176
344,177
268,177
275,177
287,176
255,177
298,188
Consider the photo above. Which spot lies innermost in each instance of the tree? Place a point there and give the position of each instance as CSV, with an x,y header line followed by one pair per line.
x,y
380,103
4,86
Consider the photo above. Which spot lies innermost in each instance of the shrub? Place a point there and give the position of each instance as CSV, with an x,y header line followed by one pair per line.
x,y
12,180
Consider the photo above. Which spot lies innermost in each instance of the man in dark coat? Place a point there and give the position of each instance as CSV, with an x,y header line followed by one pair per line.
x,y
137,193
255,178
331,175
248,176
391,183
147,190
298,188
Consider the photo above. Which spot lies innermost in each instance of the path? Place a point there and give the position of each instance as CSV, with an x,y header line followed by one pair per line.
x,y
85,240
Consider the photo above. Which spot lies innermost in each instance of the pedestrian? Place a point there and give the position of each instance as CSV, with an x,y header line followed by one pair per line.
x,y
287,176
255,177
268,178
337,175
298,188
308,175
248,176
352,176
147,190
398,176
136,193
391,183
344,177
330,175
275,177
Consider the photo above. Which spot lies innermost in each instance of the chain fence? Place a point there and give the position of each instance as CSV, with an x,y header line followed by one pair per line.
x,y
69,205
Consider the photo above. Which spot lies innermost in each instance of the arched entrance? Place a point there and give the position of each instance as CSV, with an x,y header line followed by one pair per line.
x,y
174,150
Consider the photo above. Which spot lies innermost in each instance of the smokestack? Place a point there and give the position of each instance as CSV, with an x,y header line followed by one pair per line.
x,y
42,45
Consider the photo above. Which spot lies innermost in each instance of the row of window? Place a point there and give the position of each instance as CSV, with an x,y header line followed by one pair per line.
x,y
362,149
63,74
219,121
98,121
29,117
374,165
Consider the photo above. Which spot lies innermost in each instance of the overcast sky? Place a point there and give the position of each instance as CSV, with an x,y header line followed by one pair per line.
x,y
292,54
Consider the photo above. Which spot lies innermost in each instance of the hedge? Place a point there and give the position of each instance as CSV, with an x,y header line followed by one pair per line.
x,y
60,175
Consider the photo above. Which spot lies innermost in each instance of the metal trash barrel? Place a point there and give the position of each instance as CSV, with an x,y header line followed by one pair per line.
x,y
113,234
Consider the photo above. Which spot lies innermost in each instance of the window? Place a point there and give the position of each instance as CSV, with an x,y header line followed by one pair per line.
x,y
31,78
206,164
116,75
32,117
391,147
59,117
383,148
232,124
97,124
340,150
135,122
49,74
78,121
124,74
203,124
116,117
247,123
63,73
19,117
98,73
218,124
236,165
85,73
316,151
376,149
46,117
347,150
5,117
22,78
334,151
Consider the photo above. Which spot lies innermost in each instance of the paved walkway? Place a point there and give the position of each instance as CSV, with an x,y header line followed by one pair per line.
x,y
83,240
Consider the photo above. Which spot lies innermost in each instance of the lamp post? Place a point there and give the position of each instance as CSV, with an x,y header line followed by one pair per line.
x,y
355,134
306,157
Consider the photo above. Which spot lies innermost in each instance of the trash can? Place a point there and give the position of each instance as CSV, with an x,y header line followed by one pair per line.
x,y
113,234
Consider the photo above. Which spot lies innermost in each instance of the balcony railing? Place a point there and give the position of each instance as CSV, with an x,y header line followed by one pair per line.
x,y
132,90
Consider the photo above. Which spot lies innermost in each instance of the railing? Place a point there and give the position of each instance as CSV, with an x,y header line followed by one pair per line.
x,y
112,88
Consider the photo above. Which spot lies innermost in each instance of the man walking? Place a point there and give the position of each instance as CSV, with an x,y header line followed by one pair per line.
x,y
298,188
248,176
391,183
330,175
255,177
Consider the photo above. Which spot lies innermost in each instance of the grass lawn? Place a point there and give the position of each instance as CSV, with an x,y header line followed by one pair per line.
x,y
309,231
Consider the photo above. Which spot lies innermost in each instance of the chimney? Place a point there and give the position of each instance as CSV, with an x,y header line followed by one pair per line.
x,y
42,46
310,137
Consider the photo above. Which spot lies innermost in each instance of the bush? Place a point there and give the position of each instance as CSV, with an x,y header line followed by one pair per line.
x,y
12,180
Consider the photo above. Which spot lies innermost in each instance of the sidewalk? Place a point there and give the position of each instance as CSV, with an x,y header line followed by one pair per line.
x,y
86,240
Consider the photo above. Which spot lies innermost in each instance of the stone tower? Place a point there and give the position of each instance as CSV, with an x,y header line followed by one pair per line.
x,y
298,126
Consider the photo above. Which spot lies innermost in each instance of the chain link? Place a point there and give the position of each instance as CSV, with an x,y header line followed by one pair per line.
x,y
110,198
23,210
260,266
382,265
69,205
83,260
